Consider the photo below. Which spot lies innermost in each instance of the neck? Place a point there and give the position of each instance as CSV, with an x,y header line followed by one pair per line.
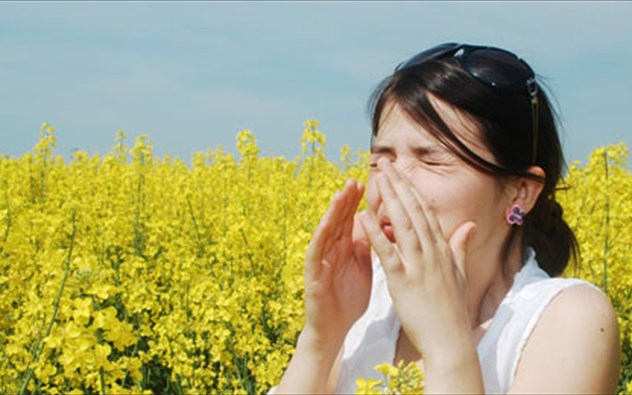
x,y
489,279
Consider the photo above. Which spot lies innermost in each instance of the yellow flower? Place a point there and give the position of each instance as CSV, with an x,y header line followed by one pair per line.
x,y
81,311
104,319
368,386
101,353
189,274
45,372
102,290
121,333
387,370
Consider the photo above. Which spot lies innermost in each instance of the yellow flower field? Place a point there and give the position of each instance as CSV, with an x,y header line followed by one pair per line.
x,y
128,273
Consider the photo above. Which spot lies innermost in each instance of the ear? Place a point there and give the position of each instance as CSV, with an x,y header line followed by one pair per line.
x,y
526,190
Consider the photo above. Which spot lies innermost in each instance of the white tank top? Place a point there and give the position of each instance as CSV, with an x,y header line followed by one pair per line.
x,y
372,339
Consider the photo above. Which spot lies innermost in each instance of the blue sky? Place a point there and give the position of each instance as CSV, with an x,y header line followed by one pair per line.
x,y
192,74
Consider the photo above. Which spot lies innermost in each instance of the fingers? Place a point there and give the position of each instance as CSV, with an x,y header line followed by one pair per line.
x,y
405,213
412,204
335,224
360,240
342,223
389,257
348,221
415,226
417,229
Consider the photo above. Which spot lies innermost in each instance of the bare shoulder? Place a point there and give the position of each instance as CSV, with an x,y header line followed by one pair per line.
x,y
574,347
582,303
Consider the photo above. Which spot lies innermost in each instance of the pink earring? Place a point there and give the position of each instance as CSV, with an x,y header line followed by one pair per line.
x,y
515,215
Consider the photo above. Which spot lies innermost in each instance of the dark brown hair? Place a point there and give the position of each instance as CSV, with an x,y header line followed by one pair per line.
x,y
505,125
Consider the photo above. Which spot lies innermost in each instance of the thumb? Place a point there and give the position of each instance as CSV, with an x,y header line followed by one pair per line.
x,y
459,243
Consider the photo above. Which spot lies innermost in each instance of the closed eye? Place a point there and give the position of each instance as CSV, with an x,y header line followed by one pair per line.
x,y
437,161
436,158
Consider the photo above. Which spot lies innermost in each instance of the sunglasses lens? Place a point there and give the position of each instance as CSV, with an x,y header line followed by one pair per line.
x,y
498,68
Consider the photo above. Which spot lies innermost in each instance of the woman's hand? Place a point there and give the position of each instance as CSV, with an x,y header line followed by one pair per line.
x,y
424,271
337,273
337,289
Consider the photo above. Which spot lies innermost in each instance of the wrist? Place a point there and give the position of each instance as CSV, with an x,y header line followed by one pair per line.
x,y
453,366
453,372
309,341
450,349
310,367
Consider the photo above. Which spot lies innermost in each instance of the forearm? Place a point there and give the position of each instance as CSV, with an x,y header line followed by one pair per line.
x,y
309,369
454,370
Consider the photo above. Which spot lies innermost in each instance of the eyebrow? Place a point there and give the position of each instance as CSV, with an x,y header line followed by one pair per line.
x,y
421,150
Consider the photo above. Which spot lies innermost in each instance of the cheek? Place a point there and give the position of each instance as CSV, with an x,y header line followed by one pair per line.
x,y
447,210
452,202
455,208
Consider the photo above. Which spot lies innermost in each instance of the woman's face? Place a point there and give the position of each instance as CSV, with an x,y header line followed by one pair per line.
x,y
456,192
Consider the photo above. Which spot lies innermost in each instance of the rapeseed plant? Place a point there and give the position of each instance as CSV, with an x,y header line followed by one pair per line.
x,y
127,273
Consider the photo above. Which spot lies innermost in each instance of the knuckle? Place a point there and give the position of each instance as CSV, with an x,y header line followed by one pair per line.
x,y
418,209
408,227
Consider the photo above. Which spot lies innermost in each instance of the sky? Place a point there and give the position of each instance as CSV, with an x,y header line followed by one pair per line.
x,y
192,74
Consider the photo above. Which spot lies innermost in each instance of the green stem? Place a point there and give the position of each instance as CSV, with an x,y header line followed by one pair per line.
x,y
102,380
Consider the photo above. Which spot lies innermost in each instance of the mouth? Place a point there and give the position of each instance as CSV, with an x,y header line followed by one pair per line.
x,y
387,228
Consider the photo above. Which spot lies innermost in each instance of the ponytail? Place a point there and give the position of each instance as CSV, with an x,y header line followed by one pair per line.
x,y
548,233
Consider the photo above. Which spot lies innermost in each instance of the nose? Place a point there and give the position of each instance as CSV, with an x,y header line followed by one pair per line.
x,y
404,168
403,165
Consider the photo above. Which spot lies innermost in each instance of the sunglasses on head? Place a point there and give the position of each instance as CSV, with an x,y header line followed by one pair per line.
x,y
496,68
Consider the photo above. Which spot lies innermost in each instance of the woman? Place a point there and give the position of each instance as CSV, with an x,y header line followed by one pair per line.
x,y
467,238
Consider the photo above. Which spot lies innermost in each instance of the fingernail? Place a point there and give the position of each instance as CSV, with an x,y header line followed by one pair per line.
x,y
472,231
